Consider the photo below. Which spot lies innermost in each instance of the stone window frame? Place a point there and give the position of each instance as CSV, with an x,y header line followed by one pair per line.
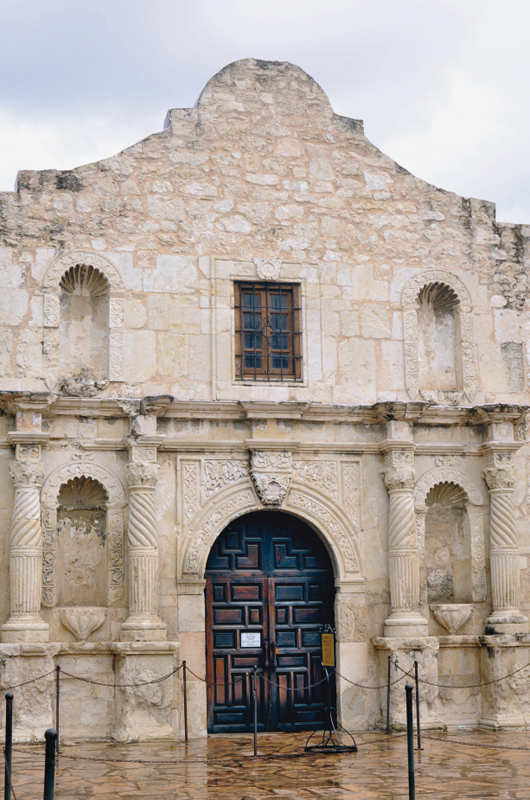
x,y
467,351
225,272
115,528
52,310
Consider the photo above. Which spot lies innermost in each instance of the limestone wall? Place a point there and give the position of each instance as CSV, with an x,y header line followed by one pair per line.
x,y
403,443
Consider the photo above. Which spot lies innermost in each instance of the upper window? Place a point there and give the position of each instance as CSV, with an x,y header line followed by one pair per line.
x,y
268,332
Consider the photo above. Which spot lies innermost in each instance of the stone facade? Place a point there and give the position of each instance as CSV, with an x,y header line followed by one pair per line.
x,y
129,441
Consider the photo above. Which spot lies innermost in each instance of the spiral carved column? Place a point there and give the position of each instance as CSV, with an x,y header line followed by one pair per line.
x,y
143,623
25,557
504,552
404,619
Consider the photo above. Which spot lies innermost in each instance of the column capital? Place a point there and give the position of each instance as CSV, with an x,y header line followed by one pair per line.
x,y
502,477
399,470
141,475
27,474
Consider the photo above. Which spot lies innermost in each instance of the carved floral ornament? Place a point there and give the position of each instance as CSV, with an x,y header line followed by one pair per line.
x,y
410,333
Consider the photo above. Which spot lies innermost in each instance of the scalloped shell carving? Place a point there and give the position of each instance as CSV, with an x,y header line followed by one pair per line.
x,y
85,280
83,493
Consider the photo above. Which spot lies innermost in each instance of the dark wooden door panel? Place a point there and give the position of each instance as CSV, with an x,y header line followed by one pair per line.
x,y
269,591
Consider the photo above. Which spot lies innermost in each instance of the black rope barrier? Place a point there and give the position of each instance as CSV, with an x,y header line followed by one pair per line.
x,y
467,685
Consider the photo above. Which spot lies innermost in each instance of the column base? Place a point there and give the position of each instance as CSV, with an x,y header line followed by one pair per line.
x,y
406,623
25,628
143,628
508,621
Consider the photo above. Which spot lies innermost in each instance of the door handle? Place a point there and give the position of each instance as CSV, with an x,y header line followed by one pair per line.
x,y
266,648
273,654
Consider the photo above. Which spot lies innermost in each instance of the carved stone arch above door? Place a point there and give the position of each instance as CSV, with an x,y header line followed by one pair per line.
x,y
324,516
466,340
115,527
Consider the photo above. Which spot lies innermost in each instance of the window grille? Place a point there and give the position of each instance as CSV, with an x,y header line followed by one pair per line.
x,y
268,332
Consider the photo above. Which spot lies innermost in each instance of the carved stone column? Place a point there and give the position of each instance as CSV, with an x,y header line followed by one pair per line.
x,y
25,557
404,619
504,552
143,623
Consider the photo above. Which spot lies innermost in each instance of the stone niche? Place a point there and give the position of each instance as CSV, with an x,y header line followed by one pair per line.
x,y
447,546
82,543
84,323
438,335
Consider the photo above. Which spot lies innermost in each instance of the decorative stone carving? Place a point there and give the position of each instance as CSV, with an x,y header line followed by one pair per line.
x,y
82,621
224,513
25,555
446,474
351,492
323,516
83,466
415,284
75,258
452,616
504,552
190,488
478,557
143,623
116,312
404,619
52,311
116,354
321,474
268,269
83,385
218,474
271,471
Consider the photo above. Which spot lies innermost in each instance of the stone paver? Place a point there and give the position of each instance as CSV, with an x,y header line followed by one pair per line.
x,y
223,768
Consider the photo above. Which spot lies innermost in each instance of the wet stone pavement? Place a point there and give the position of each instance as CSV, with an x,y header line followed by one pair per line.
x,y
450,767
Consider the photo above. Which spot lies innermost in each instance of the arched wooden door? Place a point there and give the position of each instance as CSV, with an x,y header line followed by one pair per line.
x,y
269,589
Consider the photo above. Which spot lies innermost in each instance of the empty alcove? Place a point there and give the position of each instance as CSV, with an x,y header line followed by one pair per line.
x,y
81,543
438,338
447,545
84,323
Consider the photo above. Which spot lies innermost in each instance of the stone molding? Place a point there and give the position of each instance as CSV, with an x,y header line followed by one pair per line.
x,y
410,330
438,475
317,509
115,527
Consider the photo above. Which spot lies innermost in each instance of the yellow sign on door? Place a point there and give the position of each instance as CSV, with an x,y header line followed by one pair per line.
x,y
328,649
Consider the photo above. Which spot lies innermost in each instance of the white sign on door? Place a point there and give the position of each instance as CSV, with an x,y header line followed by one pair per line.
x,y
251,639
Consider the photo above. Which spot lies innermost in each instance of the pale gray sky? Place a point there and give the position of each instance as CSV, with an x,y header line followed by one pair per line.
x,y
443,86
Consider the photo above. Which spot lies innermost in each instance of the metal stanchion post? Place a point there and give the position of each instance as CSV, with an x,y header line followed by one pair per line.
x,y
8,745
185,689
49,767
418,727
57,700
388,695
410,742
255,704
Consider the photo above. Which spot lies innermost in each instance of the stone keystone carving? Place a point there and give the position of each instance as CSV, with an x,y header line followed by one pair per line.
x,y
271,472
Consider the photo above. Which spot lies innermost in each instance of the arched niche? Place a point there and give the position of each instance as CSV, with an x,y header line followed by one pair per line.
x,y
84,324
440,359
450,513
324,516
83,298
85,484
82,543
447,545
